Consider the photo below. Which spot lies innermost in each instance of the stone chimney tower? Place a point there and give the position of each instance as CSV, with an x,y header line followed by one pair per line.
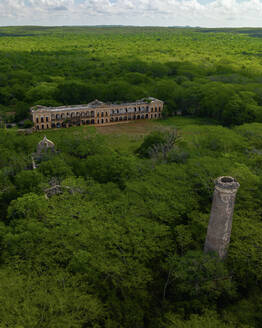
x,y
220,223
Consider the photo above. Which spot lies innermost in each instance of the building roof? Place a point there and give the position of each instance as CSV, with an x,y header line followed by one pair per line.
x,y
94,104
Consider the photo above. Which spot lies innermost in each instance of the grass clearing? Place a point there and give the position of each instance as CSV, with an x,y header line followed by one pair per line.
x,y
128,137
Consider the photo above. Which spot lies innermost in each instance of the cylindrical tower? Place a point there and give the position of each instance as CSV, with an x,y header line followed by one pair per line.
x,y
220,223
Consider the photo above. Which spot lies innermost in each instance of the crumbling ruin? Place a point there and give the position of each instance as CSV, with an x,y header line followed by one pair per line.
x,y
220,223
44,150
44,146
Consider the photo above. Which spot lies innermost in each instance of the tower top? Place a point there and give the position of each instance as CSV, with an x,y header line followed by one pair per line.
x,y
226,184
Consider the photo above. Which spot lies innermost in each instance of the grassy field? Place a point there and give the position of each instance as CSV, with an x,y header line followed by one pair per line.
x,y
128,137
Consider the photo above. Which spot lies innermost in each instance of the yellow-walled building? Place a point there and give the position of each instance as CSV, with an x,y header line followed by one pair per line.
x,y
96,112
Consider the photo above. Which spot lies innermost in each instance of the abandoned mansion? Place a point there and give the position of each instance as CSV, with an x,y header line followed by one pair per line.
x,y
96,112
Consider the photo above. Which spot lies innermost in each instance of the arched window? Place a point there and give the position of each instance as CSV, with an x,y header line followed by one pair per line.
x,y
53,117
46,119
37,120
43,126
102,114
92,114
57,116
42,120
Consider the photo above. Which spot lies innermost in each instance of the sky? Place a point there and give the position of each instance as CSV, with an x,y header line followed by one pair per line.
x,y
204,13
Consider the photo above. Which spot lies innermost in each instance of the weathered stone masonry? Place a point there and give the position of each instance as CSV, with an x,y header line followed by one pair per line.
x,y
96,113
220,223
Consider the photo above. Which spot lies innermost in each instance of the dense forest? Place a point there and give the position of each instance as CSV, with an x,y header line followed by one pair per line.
x,y
122,245
205,73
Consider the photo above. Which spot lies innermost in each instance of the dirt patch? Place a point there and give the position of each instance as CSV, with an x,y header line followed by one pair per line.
x,y
131,128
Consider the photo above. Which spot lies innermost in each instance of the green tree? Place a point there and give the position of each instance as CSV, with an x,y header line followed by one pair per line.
x,y
28,181
200,277
235,112
55,167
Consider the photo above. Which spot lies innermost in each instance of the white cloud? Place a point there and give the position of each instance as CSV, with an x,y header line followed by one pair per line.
x,y
133,12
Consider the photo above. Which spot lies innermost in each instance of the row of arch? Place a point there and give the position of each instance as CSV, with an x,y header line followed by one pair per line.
x,y
135,110
99,121
90,114
72,115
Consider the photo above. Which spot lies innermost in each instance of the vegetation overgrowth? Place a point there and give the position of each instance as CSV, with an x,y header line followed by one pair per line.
x,y
201,72
122,245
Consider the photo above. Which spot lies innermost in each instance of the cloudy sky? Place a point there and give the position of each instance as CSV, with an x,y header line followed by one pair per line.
x,y
209,13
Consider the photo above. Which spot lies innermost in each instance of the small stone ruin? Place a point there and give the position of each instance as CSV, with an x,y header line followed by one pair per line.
x,y
45,146
44,149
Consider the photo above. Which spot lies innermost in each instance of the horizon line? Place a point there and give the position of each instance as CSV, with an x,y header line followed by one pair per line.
x,y
130,25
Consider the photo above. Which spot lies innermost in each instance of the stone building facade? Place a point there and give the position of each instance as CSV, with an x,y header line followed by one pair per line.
x,y
96,113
